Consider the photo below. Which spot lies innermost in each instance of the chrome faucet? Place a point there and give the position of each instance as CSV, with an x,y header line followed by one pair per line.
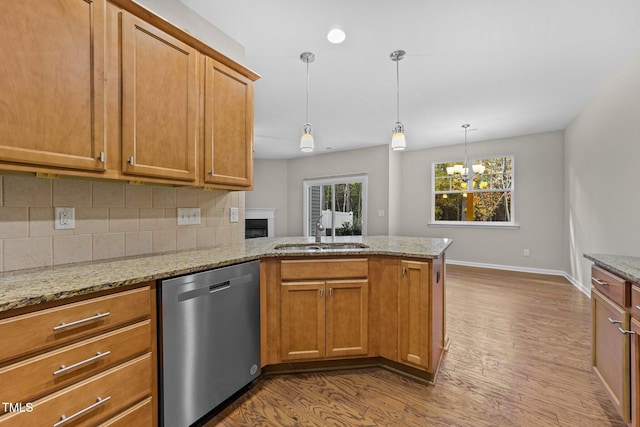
x,y
319,229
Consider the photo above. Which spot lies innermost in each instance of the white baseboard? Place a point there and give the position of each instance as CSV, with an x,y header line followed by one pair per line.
x,y
582,288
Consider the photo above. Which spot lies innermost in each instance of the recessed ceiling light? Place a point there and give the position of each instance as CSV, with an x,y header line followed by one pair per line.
x,y
336,36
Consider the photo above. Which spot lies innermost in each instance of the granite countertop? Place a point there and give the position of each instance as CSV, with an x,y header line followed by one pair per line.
x,y
24,288
627,267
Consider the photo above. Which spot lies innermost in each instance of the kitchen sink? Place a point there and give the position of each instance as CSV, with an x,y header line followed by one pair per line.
x,y
319,247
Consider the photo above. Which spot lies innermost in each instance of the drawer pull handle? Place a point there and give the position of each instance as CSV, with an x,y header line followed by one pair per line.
x,y
622,331
64,368
615,322
637,307
77,322
64,419
600,282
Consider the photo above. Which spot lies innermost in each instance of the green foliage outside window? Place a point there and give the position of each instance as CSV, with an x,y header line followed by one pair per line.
x,y
485,197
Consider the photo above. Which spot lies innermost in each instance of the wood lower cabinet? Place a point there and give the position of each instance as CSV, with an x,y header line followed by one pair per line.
x,y
347,317
159,103
324,308
52,84
635,372
323,318
228,127
88,362
610,350
302,320
414,327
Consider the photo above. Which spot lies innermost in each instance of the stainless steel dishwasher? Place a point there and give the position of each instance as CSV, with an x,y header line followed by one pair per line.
x,y
209,340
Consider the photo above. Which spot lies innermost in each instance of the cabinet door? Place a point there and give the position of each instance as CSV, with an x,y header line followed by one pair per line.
x,y
228,127
610,350
302,318
159,103
347,317
52,85
414,331
635,373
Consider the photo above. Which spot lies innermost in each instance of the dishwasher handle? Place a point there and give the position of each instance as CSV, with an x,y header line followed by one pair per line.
x,y
220,286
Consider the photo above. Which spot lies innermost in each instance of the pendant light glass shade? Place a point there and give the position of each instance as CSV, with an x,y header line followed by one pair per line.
x,y
398,141
306,141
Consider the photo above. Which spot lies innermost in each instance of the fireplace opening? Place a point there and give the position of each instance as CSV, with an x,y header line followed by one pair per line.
x,y
254,228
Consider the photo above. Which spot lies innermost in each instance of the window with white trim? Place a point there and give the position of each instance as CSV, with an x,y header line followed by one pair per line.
x,y
338,203
484,195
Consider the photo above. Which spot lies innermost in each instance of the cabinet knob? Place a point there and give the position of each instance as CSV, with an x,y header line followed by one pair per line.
x,y
321,292
132,162
101,157
404,270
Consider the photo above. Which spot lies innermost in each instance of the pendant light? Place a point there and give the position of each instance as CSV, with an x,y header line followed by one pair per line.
x,y
306,142
398,141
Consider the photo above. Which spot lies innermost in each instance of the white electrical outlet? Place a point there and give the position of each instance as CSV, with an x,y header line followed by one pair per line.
x,y
188,216
525,252
65,218
233,214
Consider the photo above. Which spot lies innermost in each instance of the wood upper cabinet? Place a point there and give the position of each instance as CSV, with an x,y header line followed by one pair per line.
x,y
610,350
52,85
159,103
228,126
414,326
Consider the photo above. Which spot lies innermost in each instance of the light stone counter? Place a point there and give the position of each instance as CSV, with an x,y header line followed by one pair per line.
x,y
29,287
627,267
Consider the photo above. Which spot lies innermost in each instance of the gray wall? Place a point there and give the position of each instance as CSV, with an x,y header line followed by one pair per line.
x,y
602,151
270,191
275,178
539,206
371,161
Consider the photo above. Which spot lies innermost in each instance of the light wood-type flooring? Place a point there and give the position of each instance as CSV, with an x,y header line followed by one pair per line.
x,y
520,355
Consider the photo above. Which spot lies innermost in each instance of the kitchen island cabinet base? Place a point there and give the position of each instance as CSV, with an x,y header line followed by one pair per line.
x,y
384,317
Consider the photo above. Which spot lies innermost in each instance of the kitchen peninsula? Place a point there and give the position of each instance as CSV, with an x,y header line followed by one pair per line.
x,y
381,304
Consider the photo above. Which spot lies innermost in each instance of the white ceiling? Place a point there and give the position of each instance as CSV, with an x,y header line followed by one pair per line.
x,y
507,67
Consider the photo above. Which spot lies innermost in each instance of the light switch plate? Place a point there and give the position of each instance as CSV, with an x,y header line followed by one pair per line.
x,y
65,218
233,214
188,216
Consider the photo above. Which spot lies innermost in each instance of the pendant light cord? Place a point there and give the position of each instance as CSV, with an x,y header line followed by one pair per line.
x,y
398,88
307,91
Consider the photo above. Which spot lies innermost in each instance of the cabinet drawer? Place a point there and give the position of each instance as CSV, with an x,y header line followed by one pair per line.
x,y
612,286
322,269
138,415
50,371
47,328
635,302
90,401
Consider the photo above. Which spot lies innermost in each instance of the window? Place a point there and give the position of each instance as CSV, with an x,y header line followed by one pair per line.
x,y
486,197
339,203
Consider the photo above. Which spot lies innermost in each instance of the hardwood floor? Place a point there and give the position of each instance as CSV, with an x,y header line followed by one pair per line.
x,y
520,355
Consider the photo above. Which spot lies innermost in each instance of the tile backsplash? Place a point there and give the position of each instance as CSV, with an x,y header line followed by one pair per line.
x,y
112,219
